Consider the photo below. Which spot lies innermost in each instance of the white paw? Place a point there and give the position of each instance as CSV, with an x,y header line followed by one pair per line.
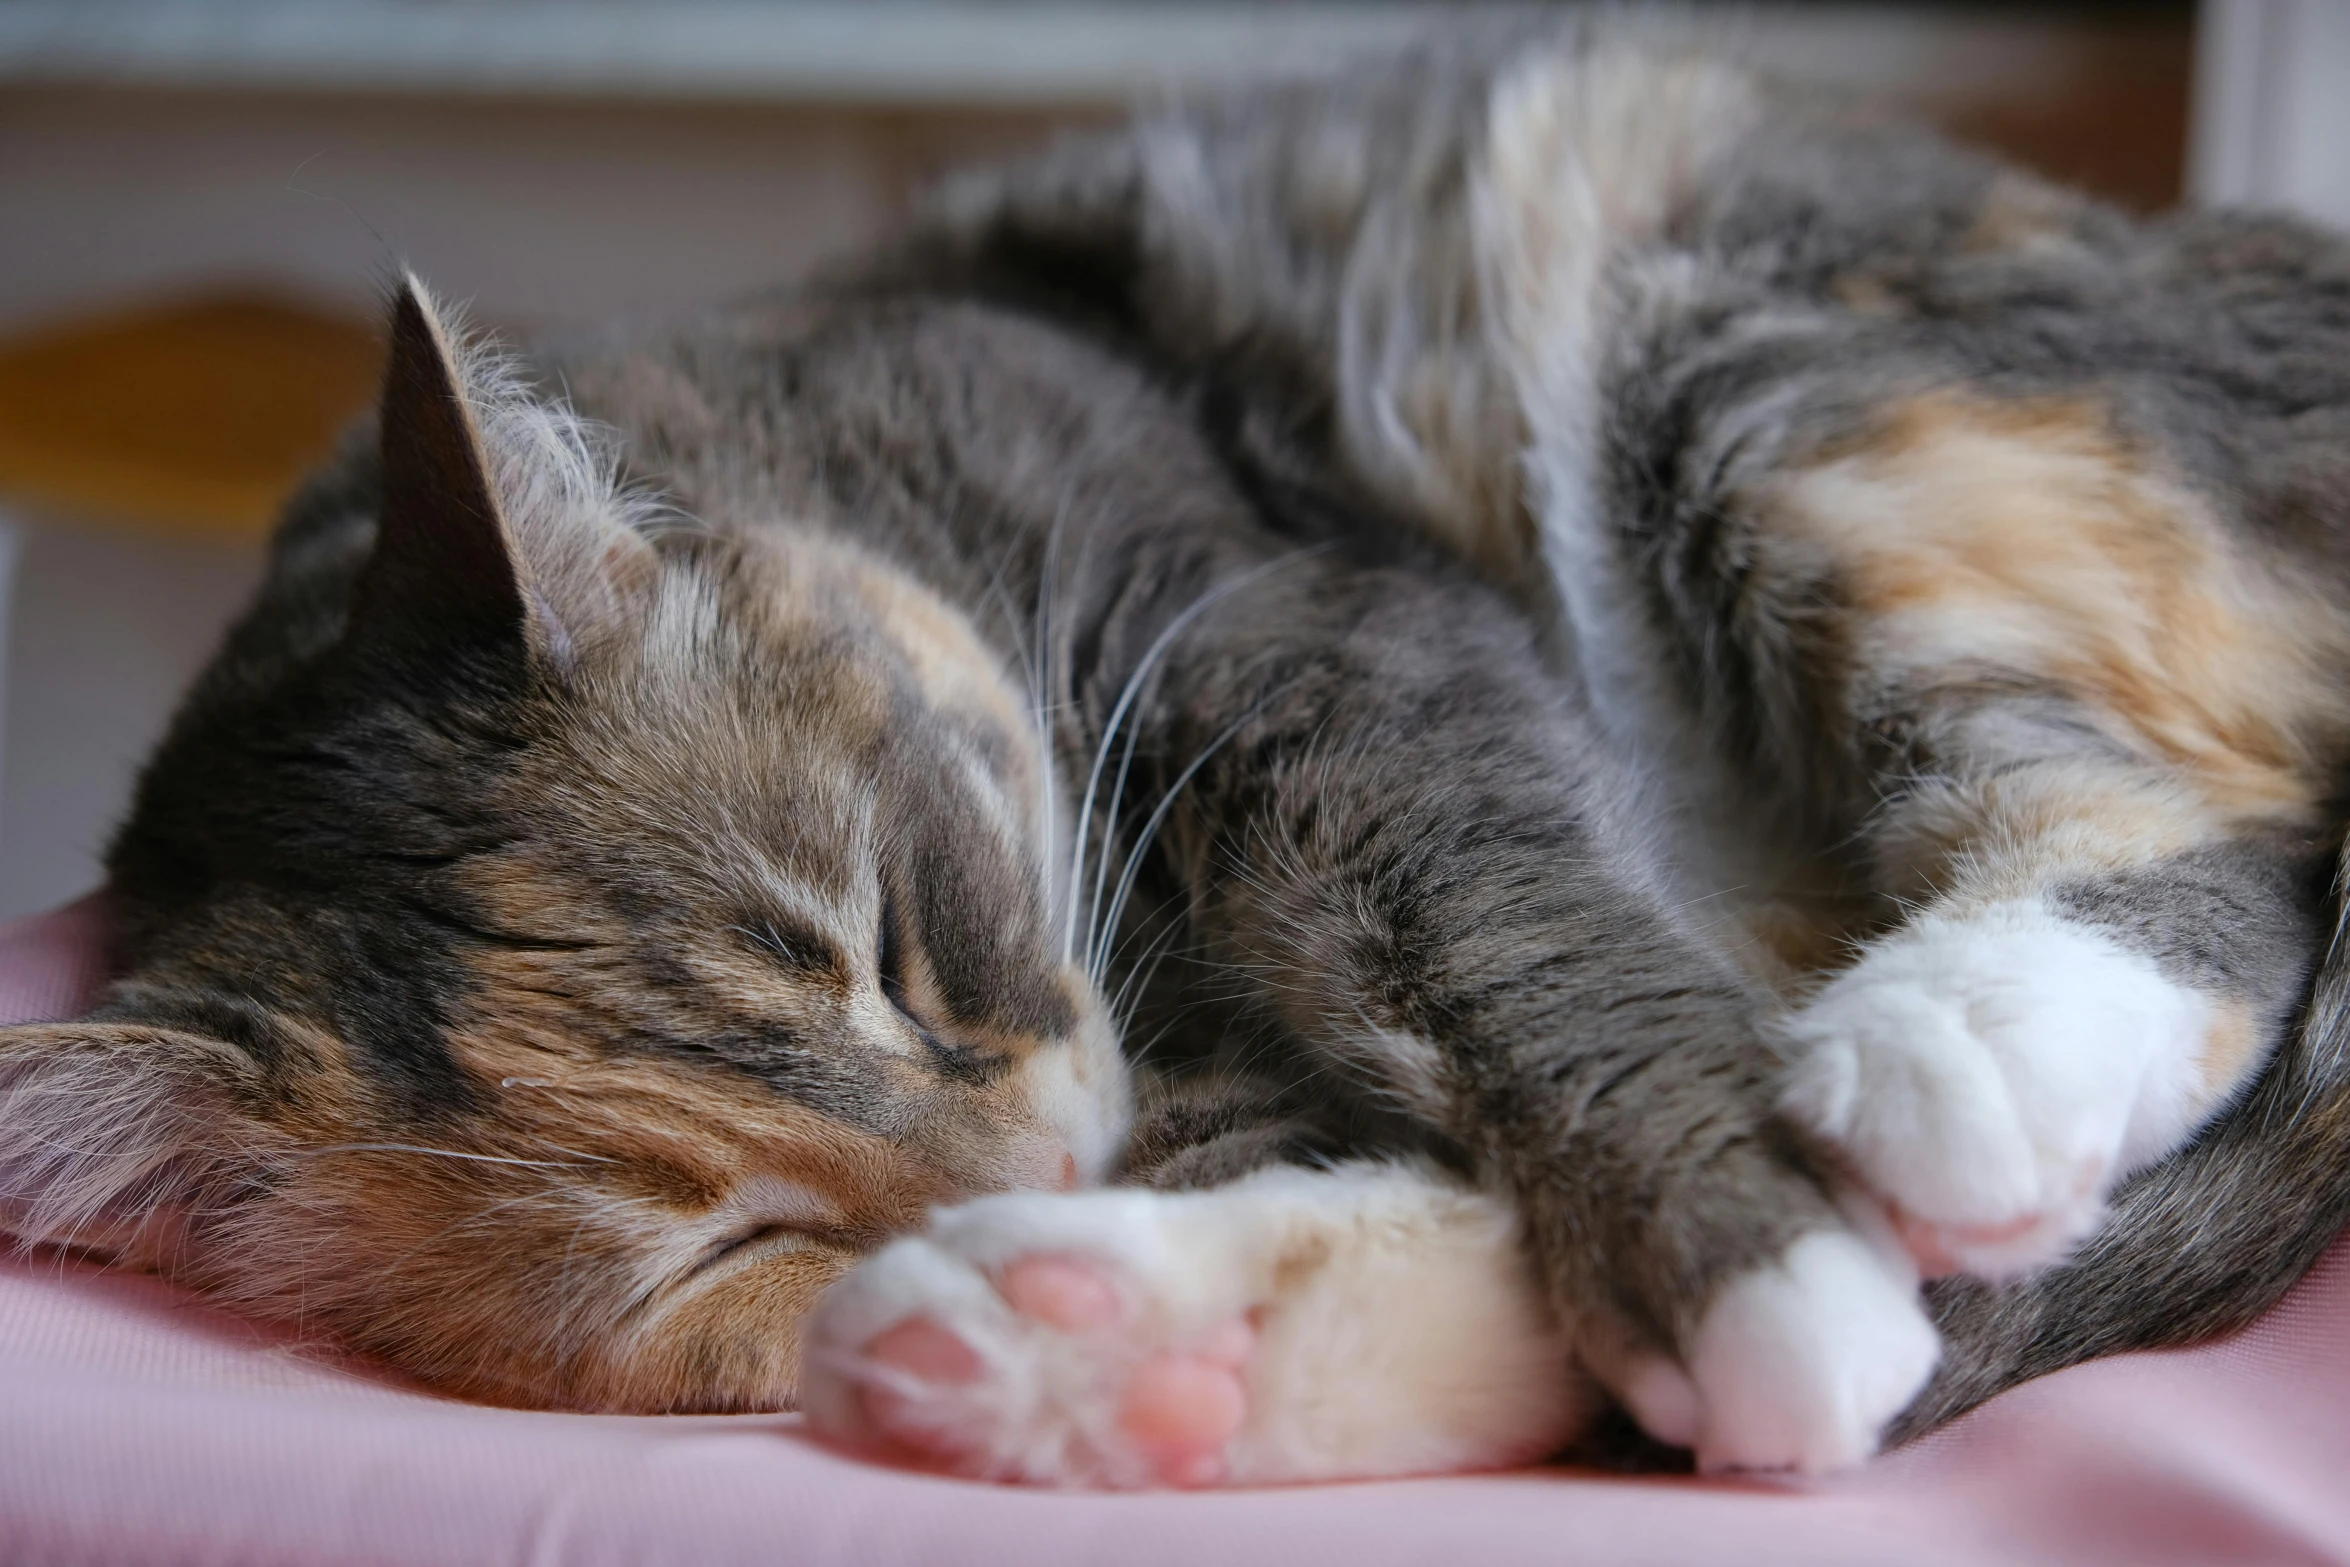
x,y
1296,1326
1990,1075
1047,1339
1796,1366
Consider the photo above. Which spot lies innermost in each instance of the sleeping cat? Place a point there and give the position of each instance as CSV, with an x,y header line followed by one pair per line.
x,y
1652,712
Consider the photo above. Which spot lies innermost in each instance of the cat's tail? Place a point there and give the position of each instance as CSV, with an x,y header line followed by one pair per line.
x,y
2197,1246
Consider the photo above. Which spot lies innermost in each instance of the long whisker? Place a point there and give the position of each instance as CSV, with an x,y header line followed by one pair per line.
x,y
1045,684
451,1153
1100,953
1101,869
1160,645
1138,977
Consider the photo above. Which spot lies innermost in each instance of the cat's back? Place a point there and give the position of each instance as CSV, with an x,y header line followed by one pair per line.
x,y
1836,267
941,428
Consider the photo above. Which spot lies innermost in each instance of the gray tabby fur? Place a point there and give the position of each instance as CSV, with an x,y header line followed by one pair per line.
x,y
1509,721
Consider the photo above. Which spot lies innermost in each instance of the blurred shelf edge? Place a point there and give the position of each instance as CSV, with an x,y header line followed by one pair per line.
x,y
924,52
699,49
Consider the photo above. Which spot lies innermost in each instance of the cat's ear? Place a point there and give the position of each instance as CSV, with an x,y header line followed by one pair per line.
x,y
118,1134
445,561
497,520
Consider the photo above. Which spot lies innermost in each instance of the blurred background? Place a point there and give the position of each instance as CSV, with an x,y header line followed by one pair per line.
x,y
202,198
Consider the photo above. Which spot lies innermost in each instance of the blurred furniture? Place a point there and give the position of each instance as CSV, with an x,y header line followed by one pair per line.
x,y
190,417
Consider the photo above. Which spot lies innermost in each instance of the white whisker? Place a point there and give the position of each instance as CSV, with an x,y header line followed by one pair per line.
x,y
1099,954
1157,651
451,1153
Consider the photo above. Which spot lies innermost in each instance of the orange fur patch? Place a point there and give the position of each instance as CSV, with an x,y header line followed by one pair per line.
x,y
1999,837
2023,539
2231,1050
2019,213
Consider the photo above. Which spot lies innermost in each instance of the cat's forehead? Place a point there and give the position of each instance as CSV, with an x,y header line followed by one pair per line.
x,y
793,710
800,590
813,630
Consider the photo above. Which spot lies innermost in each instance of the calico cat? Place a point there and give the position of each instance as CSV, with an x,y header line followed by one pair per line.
x,y
1653,712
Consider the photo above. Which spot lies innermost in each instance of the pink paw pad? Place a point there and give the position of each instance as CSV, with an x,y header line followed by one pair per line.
x,y
1062,1292
1943,1249
1181,1410
921,1349
1176,1408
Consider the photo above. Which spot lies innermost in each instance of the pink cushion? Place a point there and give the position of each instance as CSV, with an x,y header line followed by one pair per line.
x,y
136,1426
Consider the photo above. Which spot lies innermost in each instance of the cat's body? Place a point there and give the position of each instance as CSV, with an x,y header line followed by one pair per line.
x,y
1584,607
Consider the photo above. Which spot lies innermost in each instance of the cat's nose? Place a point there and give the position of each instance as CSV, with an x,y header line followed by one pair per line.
x,y
1045,1165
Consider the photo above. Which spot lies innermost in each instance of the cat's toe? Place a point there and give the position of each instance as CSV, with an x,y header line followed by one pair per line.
x,y
917,1356
1181,1410
1986,1077
1796,1366
1071,1293
2050,1226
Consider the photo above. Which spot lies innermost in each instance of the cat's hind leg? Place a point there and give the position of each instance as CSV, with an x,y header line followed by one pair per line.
x,y
2084,721
1991,1070
1362,1320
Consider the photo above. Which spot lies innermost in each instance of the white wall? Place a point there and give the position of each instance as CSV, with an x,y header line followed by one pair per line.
x,y
106,628
540,211
2272,112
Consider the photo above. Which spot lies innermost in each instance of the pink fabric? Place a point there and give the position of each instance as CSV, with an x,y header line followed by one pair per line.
x,y
136,1427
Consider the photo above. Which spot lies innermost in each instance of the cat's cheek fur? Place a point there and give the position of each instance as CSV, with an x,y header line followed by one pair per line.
x,y
1366,1320
1990,1073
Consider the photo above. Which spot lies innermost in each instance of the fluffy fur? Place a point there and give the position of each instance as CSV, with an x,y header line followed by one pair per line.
x,y
1459,1366
1655,711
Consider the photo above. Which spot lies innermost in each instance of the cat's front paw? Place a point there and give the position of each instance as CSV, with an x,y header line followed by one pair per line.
x,y
1796,1366
1989,1075
1298,1326
1036,1339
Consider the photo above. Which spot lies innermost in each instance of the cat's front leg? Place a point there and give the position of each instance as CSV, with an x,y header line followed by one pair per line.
x,y
1363,1320
1402,843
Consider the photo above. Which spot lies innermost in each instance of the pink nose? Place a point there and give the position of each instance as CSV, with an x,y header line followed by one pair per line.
x,y
1068,1172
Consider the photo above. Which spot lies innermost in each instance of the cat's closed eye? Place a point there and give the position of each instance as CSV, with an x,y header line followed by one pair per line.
x,y
960,1062
889,964
770,1209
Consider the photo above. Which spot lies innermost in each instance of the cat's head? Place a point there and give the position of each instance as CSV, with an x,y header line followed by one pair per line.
x,y
547,919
